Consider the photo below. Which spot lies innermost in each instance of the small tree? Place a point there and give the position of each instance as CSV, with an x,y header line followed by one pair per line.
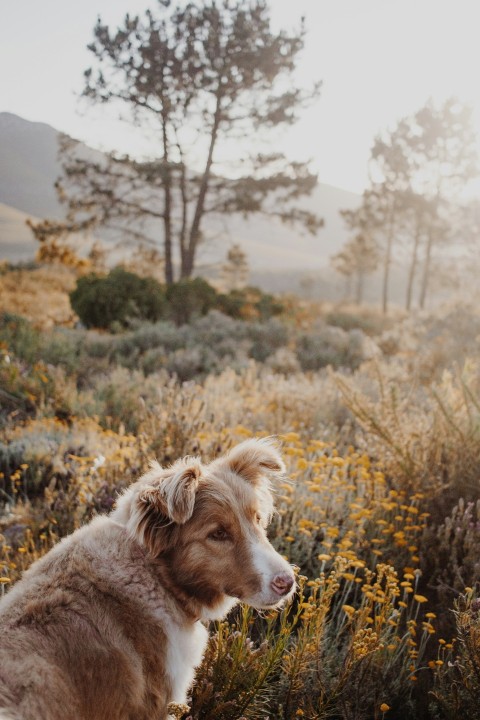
x,y
418,172
205,77
356,261
189,298
235,271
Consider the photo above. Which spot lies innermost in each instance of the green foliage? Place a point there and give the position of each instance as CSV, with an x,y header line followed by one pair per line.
x,y
180,84
118,298
330,346
249,303
190,298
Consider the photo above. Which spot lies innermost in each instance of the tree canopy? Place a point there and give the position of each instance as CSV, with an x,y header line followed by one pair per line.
x,y
415,201
210,81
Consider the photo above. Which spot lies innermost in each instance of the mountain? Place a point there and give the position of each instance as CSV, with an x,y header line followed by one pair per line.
x,y
29,167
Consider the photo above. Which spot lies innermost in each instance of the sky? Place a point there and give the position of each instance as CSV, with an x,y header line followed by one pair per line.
x,y
378,60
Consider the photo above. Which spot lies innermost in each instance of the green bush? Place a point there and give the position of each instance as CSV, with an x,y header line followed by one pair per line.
x,y
249,304
117,298
190,298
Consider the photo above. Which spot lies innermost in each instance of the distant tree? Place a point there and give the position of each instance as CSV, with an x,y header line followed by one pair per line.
x,y
417,216
204,77
418,171
444,160
342,263
374,218
235,270
358,259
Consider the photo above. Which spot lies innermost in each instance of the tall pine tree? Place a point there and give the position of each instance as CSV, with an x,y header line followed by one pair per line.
x,y
211,80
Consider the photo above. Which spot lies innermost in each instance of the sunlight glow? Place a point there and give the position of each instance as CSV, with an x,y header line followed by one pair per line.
x,y
378,62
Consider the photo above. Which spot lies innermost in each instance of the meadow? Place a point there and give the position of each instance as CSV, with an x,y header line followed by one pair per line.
x,y
379,418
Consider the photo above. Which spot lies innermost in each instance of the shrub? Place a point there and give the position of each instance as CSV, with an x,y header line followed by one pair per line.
x,y
316,350
266,338
456,690
190,298
249,304
371,323
429,440
117,298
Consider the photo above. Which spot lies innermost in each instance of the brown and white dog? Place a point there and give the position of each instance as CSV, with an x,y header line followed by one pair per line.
x,y
108,625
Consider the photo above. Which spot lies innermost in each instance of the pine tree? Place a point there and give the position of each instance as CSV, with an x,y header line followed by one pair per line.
x,y
211,79
358,259
418,172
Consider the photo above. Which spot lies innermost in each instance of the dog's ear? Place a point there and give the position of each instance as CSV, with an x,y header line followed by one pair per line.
x,y
254,458
172,491
165,498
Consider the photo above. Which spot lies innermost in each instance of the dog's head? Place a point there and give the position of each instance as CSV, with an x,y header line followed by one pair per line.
x,y
207,524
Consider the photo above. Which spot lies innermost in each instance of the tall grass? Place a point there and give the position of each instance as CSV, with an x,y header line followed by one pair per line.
x,y
380,513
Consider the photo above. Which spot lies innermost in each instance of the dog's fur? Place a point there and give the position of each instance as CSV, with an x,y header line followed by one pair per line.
x,y
108,625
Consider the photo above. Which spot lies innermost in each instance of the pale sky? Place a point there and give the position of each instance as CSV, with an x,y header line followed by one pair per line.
x,y
378,59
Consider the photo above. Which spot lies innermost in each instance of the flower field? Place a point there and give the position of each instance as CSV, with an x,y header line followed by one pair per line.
x,y
380,510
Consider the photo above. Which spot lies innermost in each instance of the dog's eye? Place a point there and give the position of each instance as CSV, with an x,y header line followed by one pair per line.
x,y
258,518
219,534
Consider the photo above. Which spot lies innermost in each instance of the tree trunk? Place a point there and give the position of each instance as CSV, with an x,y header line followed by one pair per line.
x,y
426,270
183,228
413,268
188,262
167,218
386,267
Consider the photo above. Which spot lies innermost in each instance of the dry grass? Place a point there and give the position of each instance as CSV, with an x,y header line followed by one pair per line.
x,y
381,515
41,295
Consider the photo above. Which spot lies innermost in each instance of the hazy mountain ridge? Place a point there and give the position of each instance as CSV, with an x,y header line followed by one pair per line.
x,y
29,167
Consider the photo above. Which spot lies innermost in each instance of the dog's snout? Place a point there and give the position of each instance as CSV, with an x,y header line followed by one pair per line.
x,y
282,583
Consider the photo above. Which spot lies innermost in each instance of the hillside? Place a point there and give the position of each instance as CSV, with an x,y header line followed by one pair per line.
x,y
29,167
16,239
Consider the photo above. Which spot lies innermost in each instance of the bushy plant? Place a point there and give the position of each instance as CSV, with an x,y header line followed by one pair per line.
x,y
456,692
190,298
249,304
331,346
430,444
119,297
451,551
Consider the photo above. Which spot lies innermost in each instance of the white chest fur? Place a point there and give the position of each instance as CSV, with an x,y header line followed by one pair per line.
x,y
186,645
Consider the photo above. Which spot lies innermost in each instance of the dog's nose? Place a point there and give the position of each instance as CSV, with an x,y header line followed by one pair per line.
x,y
282,583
